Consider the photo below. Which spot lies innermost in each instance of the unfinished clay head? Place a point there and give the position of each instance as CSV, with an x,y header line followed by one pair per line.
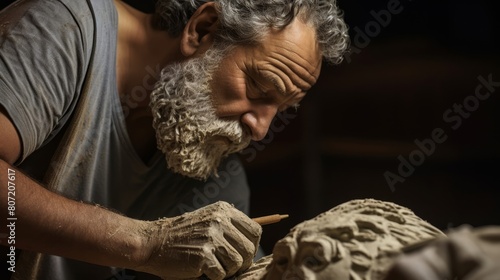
x,y
353,241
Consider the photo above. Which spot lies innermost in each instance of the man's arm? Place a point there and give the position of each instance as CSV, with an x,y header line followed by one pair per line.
x,y
216,241
10,143
62,226
49,223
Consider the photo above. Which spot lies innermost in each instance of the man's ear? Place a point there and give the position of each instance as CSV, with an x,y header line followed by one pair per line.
x,y
199,32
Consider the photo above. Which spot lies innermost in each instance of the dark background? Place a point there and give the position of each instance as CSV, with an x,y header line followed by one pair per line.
x,y
363,114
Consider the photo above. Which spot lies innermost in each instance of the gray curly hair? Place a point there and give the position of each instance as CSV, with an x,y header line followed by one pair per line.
x,y
246,21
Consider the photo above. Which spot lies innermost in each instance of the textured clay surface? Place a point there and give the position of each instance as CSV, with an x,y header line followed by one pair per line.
x,y
356,240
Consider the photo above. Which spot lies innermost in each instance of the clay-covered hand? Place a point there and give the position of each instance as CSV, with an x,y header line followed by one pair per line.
x,y
216,241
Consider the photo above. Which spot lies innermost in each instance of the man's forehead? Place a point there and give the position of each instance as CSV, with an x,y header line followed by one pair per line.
x,y
297,45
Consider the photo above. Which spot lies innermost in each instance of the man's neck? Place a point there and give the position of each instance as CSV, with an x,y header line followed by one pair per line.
x,y
141,53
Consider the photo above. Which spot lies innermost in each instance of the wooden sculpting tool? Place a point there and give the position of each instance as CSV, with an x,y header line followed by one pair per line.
x,y
271,219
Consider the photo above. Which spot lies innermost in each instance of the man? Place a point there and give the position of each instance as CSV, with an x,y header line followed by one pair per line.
x,y
228,68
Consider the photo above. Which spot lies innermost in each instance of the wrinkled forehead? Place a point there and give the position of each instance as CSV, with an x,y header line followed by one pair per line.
x,y
296,47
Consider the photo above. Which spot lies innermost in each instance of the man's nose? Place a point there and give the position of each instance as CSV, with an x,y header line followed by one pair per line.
x,y
259,119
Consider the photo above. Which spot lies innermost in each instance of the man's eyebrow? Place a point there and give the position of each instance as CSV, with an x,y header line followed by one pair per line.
x,y
278,86
297,82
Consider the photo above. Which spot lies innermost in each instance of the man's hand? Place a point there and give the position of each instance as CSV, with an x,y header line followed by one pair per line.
x,y
216,241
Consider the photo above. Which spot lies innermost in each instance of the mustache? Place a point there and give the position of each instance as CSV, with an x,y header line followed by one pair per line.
x,y
233,130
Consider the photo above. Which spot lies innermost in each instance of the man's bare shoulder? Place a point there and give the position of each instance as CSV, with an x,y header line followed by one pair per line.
x,y
10,143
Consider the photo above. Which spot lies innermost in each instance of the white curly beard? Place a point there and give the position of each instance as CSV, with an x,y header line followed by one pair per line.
x,y
193,139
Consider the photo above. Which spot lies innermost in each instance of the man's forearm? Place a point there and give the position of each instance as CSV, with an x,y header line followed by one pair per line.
x,y
50,223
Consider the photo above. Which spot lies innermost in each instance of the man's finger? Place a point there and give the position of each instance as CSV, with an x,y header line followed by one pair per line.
x,y
213,269
244,246
228,257
247,226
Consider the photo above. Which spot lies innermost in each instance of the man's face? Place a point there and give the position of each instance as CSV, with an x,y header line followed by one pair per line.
x,y
254,83
210,106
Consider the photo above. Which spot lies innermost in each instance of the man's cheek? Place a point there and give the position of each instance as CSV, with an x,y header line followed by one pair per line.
x,y
232,89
